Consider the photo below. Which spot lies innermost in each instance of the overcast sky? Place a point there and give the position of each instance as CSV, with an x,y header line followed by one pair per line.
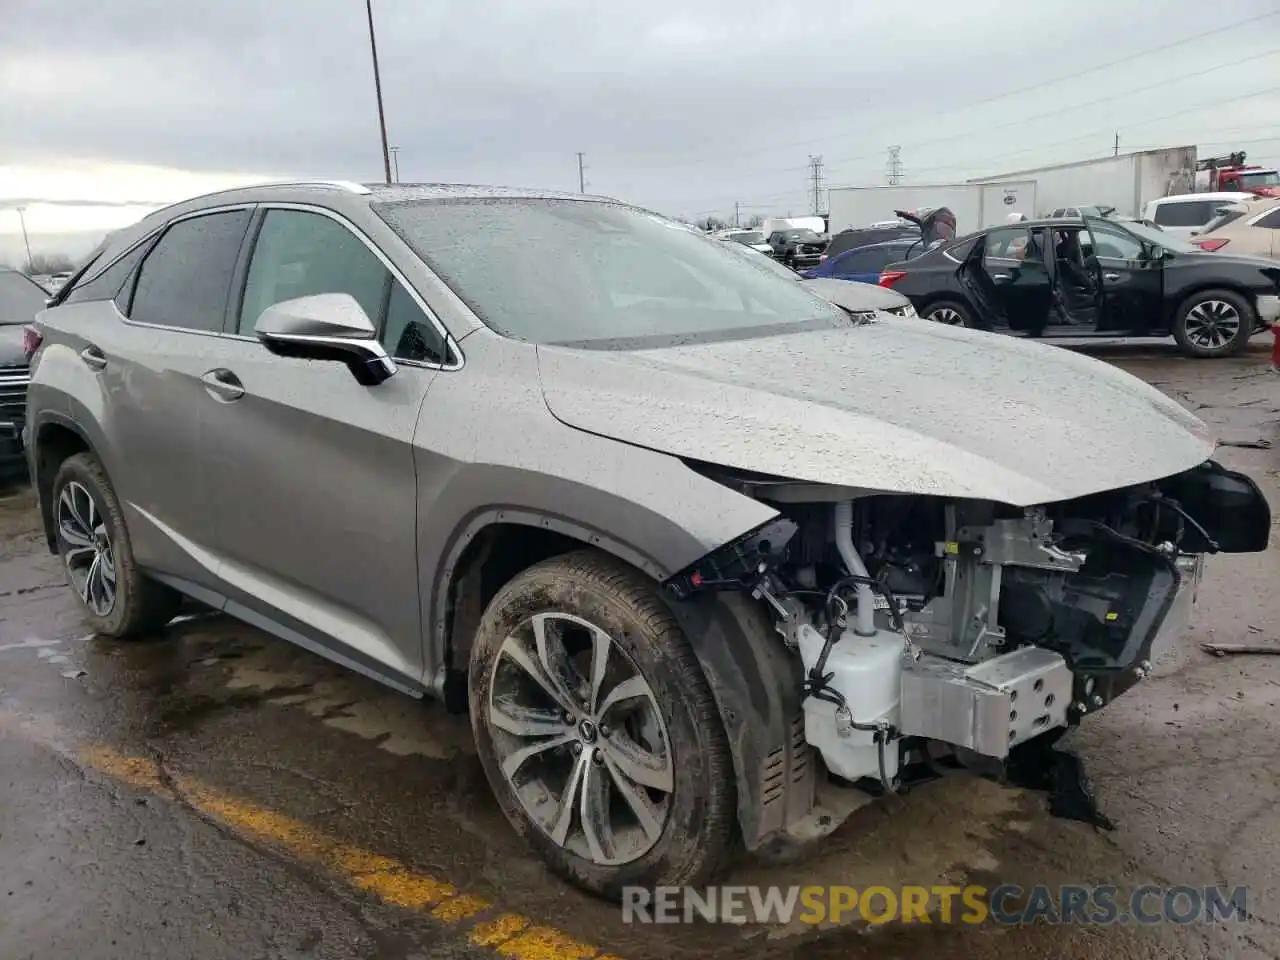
x,y
683,107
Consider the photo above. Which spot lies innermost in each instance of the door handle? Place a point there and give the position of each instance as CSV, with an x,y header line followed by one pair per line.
x,y
1111,276
1001,277
223,385
93,358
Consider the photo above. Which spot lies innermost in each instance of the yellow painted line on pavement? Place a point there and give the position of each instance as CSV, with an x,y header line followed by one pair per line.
x,y
506,934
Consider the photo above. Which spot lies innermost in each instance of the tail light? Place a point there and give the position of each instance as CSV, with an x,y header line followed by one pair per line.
x,y
1209,243
889,277
31,340
822,258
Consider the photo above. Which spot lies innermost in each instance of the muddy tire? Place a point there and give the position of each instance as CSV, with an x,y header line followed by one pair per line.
x,y
1214,323
97,556
951,313
645,737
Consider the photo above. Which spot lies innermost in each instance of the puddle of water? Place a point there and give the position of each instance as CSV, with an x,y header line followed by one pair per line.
x,y
398,724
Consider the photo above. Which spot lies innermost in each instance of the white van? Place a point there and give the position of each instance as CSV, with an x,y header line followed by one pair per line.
x,y
1186,213
772,224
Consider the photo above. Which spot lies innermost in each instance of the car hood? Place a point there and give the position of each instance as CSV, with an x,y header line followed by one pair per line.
x,y
853,295
897,406
11,353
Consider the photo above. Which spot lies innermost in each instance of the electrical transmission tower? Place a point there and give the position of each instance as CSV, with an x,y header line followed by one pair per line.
x,y
815,176
894,166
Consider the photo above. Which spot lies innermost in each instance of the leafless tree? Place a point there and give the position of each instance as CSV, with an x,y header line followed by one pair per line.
x,y
43,264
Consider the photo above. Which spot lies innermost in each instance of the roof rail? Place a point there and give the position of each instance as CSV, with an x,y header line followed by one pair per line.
x,y
349,185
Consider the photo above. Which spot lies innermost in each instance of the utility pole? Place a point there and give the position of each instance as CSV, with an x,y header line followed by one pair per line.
x,y
26,242
582,173
395,164
737,219
377,88
815,175
894,165
1116,151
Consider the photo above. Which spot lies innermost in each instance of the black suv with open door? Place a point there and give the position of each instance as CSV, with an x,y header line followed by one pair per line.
x,y
1092,277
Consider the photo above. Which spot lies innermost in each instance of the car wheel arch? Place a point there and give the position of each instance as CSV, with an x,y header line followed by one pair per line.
x,y
1186,296
54,439
469,577
731,636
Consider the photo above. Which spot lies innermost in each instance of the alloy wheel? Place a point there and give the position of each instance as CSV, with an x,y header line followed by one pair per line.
x,y
579,738
1212,324
86,548
947,315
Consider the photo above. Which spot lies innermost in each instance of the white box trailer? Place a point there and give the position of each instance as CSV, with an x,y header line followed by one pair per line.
x,y
976,205
1125,182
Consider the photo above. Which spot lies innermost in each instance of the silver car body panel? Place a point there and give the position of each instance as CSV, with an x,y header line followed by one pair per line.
x,y
227,500
897,407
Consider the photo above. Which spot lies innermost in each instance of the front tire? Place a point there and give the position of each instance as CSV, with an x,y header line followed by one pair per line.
x,y
97,555
1214,323
597,730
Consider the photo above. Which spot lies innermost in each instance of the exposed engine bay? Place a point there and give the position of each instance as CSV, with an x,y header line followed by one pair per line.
x,y
972,623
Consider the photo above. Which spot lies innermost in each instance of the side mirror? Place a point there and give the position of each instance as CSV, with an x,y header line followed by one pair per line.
x,y
327,326
1155,252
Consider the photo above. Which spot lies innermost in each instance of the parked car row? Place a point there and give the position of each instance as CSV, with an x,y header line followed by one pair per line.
x,y
21,299
1092,277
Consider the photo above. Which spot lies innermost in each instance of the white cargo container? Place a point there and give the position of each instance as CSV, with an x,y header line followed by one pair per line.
x,y
792,223
976,205
1126,182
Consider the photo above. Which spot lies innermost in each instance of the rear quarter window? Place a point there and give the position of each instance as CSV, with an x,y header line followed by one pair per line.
x,y
113,282
1187,213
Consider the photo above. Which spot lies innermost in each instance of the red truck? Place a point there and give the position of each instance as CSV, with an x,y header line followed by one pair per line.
x,y
1230,172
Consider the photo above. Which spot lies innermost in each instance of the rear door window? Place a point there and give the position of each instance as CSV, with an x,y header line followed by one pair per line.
x,y
185,278
871,260
1270,221
1187,213
1007,244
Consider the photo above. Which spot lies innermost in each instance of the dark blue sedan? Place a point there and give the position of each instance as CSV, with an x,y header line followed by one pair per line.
x,y
863,264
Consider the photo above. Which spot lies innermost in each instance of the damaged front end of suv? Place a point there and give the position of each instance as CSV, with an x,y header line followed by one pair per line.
x,y
922,627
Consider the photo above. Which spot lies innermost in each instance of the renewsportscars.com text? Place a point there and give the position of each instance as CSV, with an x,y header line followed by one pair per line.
x,y
1007,904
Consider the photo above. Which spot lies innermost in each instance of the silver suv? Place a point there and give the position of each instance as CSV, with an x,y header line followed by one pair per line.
x,y
686,540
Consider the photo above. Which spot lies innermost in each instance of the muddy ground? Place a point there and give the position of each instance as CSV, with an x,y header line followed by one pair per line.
x,y
257,748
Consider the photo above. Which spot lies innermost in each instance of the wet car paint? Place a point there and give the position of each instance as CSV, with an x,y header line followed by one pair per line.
x,y
1183,764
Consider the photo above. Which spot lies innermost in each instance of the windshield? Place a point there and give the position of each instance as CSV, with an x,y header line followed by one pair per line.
x,y
750,236
21,298
1156,237
1260,178
571,271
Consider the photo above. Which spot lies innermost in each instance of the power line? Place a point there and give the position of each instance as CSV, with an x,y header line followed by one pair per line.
x,y
1080,106
1107,132
1204,105
1196,38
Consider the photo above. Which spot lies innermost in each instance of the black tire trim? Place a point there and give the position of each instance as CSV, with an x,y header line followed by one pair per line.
x,y
698,837
142,604
1248,323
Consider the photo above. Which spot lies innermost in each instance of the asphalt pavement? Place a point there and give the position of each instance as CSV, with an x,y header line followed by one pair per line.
x,y
214,792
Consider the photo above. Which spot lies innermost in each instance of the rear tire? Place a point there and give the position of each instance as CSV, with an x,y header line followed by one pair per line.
x,y
671,732
951,313
1214,323
97,555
